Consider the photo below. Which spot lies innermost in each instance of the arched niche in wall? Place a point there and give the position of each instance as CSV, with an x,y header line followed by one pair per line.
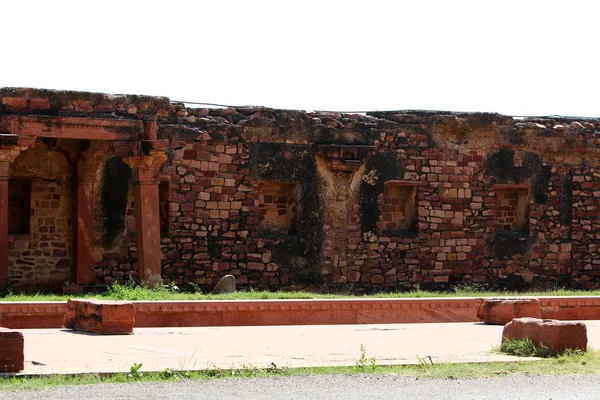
x,y
112,199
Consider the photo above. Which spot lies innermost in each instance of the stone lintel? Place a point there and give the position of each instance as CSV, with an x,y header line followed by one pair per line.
x,y
72,127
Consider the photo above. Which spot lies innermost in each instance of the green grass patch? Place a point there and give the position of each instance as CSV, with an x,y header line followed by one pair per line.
x,y
570,363
133,292
525,348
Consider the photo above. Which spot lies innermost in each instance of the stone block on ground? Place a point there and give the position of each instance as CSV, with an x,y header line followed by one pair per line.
x,y
11,350
101,316
558,336
225,285
502,311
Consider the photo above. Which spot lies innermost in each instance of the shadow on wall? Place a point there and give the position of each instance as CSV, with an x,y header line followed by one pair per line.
x,y
112,201
379,168
298,250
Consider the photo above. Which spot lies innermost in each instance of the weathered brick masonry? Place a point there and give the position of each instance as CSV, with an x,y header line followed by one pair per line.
x,y
394,200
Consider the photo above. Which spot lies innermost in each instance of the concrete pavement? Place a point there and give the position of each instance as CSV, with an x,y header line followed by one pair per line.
x,y
51,351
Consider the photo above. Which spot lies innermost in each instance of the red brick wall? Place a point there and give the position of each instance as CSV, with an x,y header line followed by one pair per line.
x,y
216,213
44,256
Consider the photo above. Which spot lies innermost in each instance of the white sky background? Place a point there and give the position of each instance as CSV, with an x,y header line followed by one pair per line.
x,y
513,57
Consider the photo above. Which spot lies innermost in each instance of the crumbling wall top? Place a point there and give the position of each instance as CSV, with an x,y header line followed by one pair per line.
x,y
301,126
70,103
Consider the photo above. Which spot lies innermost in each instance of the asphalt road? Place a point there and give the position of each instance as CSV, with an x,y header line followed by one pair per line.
x,y
342,387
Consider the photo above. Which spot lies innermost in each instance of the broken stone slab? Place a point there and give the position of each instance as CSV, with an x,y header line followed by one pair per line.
x,y
11,350
558,336
107,317
225,285
501,311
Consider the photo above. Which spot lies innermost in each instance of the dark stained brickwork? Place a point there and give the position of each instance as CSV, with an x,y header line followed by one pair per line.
x,y
381,201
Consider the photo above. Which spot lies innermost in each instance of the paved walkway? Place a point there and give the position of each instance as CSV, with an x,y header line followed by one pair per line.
x,y
63,351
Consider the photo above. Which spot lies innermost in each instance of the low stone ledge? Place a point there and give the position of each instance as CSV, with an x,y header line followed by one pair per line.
x,y
49,314
33,315
304,312
499,311
11,350
558,336
570,308
105,317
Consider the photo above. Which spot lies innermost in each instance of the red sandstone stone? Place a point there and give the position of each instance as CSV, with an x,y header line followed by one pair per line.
x,y
556,335
11,350
84,106
15,102
105,317
502,311
451,176
570,308
39,104
303,312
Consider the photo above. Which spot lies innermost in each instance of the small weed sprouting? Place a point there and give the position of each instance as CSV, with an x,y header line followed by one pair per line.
x,y
194,288
134,371
423,361
525,348
363,361
243,371
171,287
469,287
275,369
169,373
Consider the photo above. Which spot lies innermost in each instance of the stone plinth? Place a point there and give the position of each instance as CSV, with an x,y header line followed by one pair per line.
x,y
104,317
303,312
572,308
11,350
502,311
32,315
556,335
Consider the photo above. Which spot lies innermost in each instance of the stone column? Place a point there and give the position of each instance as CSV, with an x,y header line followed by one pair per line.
x,y
4,175
146,177
87,168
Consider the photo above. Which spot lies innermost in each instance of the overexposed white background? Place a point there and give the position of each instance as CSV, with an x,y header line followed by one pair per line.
x,y
513,57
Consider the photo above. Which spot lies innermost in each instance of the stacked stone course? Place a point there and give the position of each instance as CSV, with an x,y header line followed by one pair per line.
x,y
478,198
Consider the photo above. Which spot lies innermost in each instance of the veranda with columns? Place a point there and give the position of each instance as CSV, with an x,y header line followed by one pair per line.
x,y
134,141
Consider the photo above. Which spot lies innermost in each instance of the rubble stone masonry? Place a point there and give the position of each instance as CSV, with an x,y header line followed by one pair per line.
x,y
376,201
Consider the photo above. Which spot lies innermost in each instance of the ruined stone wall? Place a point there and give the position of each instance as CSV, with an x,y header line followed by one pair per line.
x,y
459,168
116,260
41,255
395,200
44,258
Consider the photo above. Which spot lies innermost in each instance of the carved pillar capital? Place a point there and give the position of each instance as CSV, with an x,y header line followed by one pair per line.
x,y
146,169
89,161
12,145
